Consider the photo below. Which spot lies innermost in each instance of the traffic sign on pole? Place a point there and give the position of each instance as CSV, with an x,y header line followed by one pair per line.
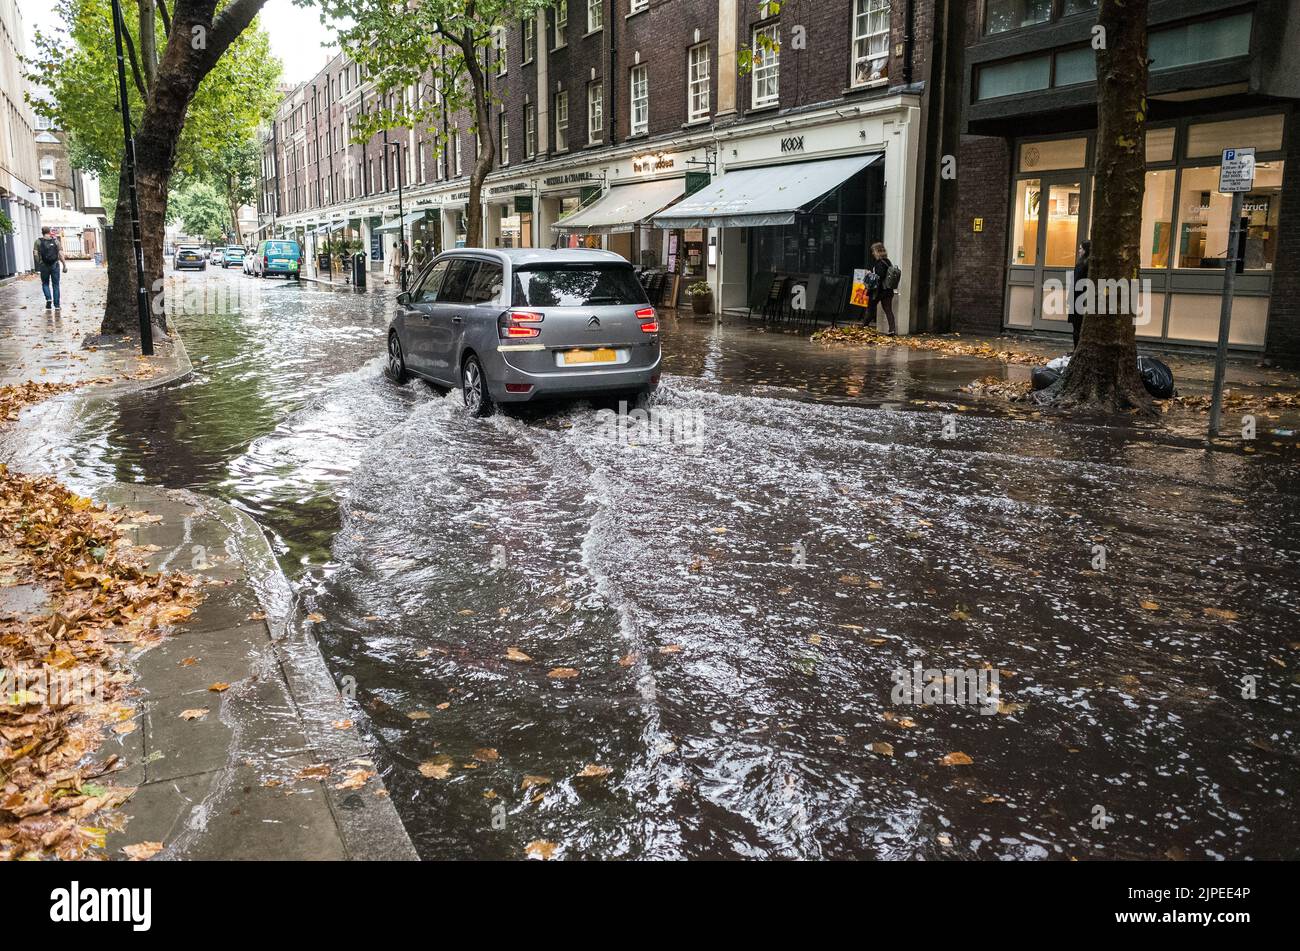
x,y
1236,177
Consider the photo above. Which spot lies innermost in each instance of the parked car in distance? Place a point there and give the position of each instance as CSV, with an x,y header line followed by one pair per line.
x,y
513,325
232,255
189,255
216,255
277,256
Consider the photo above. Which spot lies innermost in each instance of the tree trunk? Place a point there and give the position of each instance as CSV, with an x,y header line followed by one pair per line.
x,y
195,43
487,148
1102,374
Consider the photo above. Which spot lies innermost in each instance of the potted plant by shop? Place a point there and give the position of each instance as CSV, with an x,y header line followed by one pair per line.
x,y
701,297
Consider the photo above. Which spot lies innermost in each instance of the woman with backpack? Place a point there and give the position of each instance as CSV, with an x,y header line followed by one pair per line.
x,y
47,254
882,280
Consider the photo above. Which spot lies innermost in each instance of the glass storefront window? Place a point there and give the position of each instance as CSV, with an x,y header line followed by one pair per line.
x,y
1003,15
1160,144
1014,77
1202,41
1071,7
1209,139
1205,216
1024,249
1157,218
1059,153
1062,224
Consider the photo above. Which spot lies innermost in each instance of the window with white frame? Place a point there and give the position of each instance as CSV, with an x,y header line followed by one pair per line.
x,y
697,85
640,96
504,139
560,109
499,41
42,123
766,50
636,6
530,130
419,150
455,145
561,25
530,39
49,199
595,15
47,168
870,42
595,111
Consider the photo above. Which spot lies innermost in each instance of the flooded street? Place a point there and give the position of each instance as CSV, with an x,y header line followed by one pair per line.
x,y
686,647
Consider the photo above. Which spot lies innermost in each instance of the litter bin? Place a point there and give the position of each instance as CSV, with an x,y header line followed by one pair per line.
x,y
359,269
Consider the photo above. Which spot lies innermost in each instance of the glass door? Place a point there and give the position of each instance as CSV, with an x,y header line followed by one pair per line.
x,y
1062,224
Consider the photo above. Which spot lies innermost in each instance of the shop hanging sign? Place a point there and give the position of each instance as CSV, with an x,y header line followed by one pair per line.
x,y
523,204
695,181
860,297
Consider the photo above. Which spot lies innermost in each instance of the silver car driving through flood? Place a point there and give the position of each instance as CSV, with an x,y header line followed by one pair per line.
x,y
509,326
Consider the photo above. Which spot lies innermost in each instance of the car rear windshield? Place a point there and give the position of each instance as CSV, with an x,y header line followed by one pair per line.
x,y
281,247
577,285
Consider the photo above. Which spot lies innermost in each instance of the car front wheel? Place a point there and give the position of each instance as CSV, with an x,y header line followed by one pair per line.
x,y
474,388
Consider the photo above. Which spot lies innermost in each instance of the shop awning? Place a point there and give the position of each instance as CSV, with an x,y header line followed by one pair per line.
x,y
772,195
411,218
623,207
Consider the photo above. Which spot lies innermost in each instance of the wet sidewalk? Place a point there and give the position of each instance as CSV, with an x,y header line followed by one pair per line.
x,y
789,364
268,766
47,345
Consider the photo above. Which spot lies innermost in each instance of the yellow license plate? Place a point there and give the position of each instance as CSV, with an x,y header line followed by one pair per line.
x,y
603,355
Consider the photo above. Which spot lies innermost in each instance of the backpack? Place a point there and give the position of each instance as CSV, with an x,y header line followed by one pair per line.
x,y
893,277
49,251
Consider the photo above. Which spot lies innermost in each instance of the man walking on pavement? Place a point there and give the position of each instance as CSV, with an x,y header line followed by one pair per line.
x,y
48,255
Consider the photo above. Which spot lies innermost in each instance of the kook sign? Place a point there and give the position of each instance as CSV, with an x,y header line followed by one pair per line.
x,y
1237,173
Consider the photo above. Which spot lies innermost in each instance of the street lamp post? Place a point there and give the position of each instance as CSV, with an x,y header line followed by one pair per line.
x,y
142,294
401,218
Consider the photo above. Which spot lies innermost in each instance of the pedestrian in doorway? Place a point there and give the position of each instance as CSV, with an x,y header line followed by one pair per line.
x,y
1079,292
47,254
882,281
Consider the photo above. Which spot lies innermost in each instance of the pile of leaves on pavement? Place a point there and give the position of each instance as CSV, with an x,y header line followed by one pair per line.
x,y
999,387
55,797
16,396
949,343
1236,399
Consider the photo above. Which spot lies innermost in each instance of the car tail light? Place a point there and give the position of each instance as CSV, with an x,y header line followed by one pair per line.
x,y
648,323
519,387
514,324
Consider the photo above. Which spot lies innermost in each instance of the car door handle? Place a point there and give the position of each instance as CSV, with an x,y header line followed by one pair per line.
x,y
458,319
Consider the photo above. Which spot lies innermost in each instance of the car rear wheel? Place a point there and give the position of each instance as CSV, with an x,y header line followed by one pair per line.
x,y
396,368
474,388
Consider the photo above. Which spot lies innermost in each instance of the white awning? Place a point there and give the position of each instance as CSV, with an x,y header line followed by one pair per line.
x,y
411,218
623,207
772,195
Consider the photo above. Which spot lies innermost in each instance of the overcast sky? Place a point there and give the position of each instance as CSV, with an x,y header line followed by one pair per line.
x,y
297,36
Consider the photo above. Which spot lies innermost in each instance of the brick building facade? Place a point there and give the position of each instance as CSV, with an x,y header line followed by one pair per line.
x,y
626,100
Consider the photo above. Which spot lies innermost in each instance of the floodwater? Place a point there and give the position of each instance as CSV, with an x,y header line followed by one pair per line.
x,y
682,636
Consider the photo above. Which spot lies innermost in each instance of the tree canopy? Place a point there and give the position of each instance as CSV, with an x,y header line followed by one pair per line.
x,y
78,72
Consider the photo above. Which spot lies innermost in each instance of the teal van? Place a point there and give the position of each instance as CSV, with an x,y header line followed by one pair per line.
x,y
277,257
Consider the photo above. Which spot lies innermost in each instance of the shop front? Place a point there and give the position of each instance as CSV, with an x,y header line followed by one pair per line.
x,y
1185,228
802,224
623,216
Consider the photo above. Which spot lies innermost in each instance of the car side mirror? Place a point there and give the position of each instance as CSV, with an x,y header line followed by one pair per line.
x,y
404,298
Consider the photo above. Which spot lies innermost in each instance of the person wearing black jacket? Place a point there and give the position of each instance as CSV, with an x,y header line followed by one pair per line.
x,y
47,255
880,294
1079,292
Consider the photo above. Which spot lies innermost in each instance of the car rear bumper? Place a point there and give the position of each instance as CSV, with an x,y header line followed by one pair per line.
x,y
640,374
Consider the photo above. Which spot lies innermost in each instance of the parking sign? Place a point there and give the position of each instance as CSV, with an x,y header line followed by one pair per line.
x,y
1237,172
